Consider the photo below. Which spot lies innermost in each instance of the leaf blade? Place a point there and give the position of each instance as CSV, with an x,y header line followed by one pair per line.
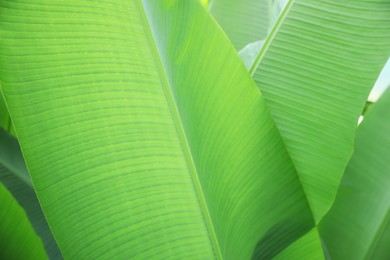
x,y
106,129
15,177
315,72
243,21
362,202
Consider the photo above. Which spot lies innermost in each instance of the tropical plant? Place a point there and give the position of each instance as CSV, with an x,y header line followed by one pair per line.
x,y
147,137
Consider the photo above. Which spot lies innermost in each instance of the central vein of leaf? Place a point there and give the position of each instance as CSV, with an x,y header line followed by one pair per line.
x,y
181,133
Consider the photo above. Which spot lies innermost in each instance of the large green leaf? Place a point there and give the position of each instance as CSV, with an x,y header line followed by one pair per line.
x,y
18,239
358,225
146,138
15,177
244,21
315,71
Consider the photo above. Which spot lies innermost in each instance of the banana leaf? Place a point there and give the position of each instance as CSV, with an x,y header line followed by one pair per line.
x,y
144,134
358,225
315,71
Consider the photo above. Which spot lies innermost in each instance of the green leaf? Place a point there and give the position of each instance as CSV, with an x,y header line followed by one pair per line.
x,y
244,21
205,3
5,119
358,225
305,248
145,137
11,158
367,107
17,237
315,71
249,53
15,177
277,8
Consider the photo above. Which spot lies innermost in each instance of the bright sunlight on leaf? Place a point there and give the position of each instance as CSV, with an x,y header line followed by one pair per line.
x,y
193,129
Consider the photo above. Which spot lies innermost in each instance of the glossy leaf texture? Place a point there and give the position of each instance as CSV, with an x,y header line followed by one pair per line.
x,y
244,21
17,237
358,225
15,177
315,71
144,134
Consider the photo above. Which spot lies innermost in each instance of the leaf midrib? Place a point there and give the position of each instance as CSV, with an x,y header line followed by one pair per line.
x,y
180,131
252,70
271,37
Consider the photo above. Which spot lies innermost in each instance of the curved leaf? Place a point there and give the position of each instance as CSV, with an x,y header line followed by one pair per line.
x,y
315,71
358,225
146,137
244,21
17,237
15,177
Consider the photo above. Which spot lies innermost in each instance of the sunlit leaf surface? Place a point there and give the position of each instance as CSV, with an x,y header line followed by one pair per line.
x,y
145,135
315,71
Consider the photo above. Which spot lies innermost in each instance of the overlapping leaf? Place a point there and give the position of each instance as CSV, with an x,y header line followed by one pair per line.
x,y
315,71
244,21
358,225
144,134
5,120
15,177
304,248
18,239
